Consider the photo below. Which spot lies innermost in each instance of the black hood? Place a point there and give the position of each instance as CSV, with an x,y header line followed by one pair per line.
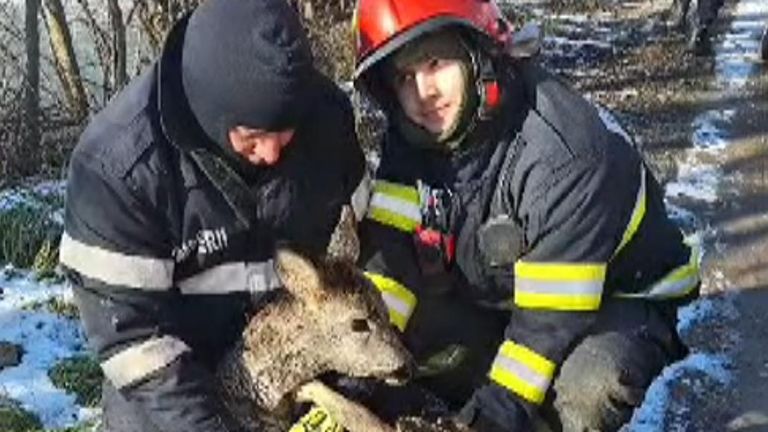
x,y
245,62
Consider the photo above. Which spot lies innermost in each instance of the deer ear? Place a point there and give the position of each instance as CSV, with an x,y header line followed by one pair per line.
x,y
298,274
344,244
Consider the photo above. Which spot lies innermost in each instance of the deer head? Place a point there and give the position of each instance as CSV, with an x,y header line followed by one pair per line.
x,y
328,318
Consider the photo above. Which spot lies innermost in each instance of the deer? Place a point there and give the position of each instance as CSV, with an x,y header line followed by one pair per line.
x,y
328,317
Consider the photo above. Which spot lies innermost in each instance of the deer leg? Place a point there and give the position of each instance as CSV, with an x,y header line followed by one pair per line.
x,y
350,414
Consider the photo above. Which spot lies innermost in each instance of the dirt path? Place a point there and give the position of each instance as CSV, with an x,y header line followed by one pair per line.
x,y
703,123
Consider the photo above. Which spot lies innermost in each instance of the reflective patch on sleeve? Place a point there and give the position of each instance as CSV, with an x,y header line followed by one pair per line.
x,y
400,300
227,278
138,362
115,268
395,205
522,371
638,213
678,283
559,286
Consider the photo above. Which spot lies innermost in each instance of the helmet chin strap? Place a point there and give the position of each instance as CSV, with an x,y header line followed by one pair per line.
x,y
487,84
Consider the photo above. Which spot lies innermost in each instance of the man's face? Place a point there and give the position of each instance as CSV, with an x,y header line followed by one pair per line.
x,y
258,146
431,92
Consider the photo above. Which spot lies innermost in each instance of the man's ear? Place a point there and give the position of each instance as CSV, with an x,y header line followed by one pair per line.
x,y
299,275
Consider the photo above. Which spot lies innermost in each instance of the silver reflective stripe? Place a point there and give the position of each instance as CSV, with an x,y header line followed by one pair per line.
x,y
140,361
395,205
525,373
677,283
361,196
114,268
232,277
559,287
612,124
669,289
396,304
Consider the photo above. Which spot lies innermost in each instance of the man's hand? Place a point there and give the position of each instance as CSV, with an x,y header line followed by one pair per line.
x,y
493,409
316,420
334,413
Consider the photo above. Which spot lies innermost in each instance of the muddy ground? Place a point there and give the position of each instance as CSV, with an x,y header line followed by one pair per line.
x,y
662,94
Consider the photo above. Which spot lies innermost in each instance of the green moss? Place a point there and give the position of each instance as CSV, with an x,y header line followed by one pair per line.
x,y
81,376
89,426
29,234
15,419
56,306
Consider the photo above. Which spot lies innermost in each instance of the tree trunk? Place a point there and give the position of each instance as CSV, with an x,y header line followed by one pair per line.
x,y
119,52
65,60
31,115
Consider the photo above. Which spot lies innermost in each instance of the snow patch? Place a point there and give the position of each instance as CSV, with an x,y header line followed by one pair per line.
x,y
650,417
46,339
705,310
736,56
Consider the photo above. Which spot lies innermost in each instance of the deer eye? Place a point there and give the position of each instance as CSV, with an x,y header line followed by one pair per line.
x,y
360,325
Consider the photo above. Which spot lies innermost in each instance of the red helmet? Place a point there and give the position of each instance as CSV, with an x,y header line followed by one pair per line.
x,y
382,26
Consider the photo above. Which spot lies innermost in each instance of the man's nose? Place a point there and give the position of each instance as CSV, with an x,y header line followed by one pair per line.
x,y
425,84
271,152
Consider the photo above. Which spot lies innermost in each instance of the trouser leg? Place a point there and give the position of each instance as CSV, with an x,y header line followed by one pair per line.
x,y
680,10
120,415
605,378
707,11
764,44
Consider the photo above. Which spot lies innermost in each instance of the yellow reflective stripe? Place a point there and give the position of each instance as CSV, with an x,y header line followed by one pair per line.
x,y
638,213
677,283
405,193
522,371
386,217
400,300
559,286
549,271
395,205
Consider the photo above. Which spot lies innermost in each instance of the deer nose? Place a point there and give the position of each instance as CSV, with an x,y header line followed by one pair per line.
x,y
401,375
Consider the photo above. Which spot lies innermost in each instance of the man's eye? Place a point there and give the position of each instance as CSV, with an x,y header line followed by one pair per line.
x,y
404,78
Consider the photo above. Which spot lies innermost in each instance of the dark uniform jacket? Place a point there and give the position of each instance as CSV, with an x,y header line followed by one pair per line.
x,y
547,211
167,245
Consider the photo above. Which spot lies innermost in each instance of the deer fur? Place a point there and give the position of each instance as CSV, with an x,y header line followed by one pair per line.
x,y
328,317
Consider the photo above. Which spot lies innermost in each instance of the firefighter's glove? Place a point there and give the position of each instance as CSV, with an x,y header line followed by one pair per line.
x,y
316,420
493,409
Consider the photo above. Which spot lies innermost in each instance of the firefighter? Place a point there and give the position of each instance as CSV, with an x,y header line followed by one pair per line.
x,y
179,191
500,186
